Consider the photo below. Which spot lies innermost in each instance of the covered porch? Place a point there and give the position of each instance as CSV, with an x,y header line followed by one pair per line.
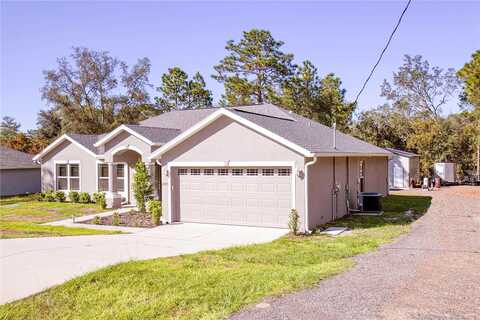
x,y
115,176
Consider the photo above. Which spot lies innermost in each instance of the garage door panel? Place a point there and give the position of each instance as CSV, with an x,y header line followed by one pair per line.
x,y
254,200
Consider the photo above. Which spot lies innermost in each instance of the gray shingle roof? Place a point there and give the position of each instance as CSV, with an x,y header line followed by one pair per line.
x,y
86,140
155,134
311,135
402,153
13,159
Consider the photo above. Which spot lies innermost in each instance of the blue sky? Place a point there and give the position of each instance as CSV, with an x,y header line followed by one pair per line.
x,y
340,37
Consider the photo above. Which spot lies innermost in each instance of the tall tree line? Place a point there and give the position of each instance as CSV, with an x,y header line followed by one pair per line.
x,y
92,92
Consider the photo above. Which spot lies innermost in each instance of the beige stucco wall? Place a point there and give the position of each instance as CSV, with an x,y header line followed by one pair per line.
x,y
124,139
68,151
226,140
321,184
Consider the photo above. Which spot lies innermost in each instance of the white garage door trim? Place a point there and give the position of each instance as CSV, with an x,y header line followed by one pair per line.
x,y
228,164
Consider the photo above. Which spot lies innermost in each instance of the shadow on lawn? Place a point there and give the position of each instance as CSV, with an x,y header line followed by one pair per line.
x,y
394,207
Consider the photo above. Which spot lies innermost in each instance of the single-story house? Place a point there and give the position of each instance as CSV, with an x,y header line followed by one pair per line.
x,y
18,173
246,165
403,169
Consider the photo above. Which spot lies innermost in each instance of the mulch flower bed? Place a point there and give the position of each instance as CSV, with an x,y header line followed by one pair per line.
x,y
126,219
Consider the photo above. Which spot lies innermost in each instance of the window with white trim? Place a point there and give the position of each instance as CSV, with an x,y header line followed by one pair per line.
x,y
208,172
182,172
195,172
102,183
237,172
284,172
252,172
67,176
267,172
120,170
222,172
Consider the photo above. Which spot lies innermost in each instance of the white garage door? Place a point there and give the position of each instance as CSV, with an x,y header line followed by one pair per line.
x,y
240,196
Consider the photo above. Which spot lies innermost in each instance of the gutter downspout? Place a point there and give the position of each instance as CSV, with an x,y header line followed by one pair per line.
x,y
308,164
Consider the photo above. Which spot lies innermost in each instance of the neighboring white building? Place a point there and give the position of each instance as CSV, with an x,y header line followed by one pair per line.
x,y
403,168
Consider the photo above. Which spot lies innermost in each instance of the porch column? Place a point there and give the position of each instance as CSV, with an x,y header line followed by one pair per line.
x,y
113,199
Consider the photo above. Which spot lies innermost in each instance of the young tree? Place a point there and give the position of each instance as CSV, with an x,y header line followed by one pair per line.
x,y
254,69
178,92
420,90
8,127
90,88
142,186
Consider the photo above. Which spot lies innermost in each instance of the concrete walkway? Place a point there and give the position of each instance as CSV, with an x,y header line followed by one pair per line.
x,y
28,266
431,273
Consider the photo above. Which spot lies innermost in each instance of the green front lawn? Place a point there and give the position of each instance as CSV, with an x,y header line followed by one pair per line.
x,y
22,216
213,284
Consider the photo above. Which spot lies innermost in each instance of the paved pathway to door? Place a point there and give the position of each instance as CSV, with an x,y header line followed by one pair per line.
x,y
431,273
28,266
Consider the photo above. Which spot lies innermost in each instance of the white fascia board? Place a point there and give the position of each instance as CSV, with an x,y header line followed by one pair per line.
x,y
224,112
206,164
112,134
59,140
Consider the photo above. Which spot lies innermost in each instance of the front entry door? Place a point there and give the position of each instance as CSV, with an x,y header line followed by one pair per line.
x,y
122,181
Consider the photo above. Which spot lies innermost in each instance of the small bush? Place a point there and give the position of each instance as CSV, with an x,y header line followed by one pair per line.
x,y
116,219
74,196
155,209
49,196
84,197
41,196
60,196
293,220
99,198
97,220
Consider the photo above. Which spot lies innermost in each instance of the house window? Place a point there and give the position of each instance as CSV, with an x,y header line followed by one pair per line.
x,y
222,172
195,172
67,176
252,172
237,172
361,175
120,170
102,177
284,172
267,172
208,172
182,172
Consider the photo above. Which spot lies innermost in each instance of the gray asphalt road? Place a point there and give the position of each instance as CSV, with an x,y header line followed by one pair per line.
x,y
431,273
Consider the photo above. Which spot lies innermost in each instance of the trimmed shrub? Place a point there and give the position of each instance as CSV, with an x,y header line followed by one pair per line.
x,y
49,196
116,218
99,198
97,220
60,196
155,209
293,220
74,196
84,197
41,196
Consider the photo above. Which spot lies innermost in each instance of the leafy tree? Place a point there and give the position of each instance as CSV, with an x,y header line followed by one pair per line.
x,y
319,99
418,89
49,124
89,90
178,92
470,74
384,127
142,186
254,69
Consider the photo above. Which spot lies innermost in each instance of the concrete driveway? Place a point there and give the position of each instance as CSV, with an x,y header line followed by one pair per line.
x,y
28,266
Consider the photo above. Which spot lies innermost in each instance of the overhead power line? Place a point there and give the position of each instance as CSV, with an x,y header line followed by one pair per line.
x,y
384,50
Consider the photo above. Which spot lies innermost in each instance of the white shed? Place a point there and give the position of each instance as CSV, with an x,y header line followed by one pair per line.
x,y
403,168
447,171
